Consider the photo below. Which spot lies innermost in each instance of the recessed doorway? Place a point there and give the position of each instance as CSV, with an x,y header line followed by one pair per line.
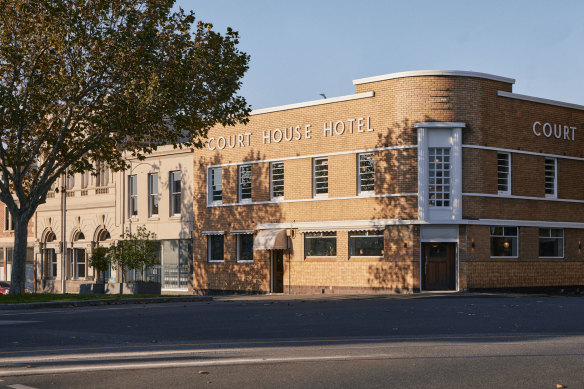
x,y
438,266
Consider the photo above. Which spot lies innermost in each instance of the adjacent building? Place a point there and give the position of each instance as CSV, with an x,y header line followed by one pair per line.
x,y
424,180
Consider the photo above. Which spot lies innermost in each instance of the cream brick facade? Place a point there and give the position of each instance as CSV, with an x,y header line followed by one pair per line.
x,y
403,119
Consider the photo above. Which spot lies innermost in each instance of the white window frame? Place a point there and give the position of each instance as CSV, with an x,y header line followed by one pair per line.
x,y
152,194
314,177
440,174
360,190
211,185
8,221
369,234
132,195
509,161
209,237
505,236
555,177
561,240
238,248
174,194
240,183
272,167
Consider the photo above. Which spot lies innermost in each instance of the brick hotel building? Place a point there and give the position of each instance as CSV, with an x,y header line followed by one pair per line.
x,y
425,180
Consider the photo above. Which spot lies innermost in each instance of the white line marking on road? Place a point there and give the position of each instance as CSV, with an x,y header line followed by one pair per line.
x,y
19,386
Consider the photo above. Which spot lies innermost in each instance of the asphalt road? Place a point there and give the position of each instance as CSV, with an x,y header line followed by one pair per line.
x,y
419,341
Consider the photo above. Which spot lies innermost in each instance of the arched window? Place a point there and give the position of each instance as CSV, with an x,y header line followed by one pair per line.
x,y
103,235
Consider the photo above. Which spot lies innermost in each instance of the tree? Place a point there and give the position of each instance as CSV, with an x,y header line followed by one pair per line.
x,y
85,81
135,251
100,261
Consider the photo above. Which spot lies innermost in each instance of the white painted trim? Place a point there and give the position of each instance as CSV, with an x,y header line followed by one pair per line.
x,y
419,73
440,125
312,103
539,100
336,225
523,197
321,197
241,232
507,192
212,232
315,156
522,152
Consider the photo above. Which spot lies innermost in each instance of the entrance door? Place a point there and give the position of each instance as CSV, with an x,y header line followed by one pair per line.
x,y
278,271
438,266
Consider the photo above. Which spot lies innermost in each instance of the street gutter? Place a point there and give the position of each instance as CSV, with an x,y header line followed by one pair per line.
x,y
87,303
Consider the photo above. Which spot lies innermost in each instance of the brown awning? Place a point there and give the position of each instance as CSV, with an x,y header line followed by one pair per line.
x,y
270,240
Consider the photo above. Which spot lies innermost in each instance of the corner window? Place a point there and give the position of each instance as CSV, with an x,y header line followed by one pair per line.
x,y
320,244
366,243
504,173
366,173
551,181
175,193
215,248
153,194
439,176
215,187
132,196
551,242
245,183
245,247
277,180
504,241
320,176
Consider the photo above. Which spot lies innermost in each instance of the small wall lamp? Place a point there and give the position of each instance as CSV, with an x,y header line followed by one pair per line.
x,y
472,245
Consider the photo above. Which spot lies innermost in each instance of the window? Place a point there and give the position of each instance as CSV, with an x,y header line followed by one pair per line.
x,y
51,256
320,183
439,176
215,189
504,173
152,194
102,178
366,173
245,247
320,244
76,263
551,242
215,248
70,181
8,221
366,243
84,180
132,196
551,181
245,183
504,241
277,180
175,193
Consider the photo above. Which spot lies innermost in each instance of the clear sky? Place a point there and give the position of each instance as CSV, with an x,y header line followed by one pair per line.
x,y
301,48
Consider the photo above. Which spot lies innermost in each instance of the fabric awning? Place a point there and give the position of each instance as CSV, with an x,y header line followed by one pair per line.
x,y
270,240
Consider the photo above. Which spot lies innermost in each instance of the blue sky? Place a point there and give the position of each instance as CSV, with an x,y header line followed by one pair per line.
x,y
301,48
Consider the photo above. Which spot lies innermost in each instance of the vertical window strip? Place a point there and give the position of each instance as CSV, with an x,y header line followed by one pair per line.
x,y
504,173
245,183
439,176
366,173
216,188
550,177
321,176
277,177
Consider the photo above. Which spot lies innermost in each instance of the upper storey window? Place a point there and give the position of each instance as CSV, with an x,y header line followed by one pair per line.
x,y
439,176
551,181
277,180
366,173
320,178
245,183
504,173
215,188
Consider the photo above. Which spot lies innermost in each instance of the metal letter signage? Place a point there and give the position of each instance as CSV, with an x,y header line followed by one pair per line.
x,y
557,131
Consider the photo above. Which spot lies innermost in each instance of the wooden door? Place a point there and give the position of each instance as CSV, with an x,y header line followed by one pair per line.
x,y
278,271
438,266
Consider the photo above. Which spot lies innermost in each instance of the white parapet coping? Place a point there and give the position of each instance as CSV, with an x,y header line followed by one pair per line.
x,y
539,100
419,73
311,103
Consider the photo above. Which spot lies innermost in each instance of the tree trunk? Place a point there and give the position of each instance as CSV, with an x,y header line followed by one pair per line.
x,y
18,275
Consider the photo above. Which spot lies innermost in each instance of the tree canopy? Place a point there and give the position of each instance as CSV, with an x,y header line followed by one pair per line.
x,y
83,81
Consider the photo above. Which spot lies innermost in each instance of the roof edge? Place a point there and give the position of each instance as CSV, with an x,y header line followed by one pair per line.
x,y
419,73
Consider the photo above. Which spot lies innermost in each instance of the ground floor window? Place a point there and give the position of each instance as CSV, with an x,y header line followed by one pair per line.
x,y
366,243
215,248
320,244
551,242
245,247
51,261
504,241
77,263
